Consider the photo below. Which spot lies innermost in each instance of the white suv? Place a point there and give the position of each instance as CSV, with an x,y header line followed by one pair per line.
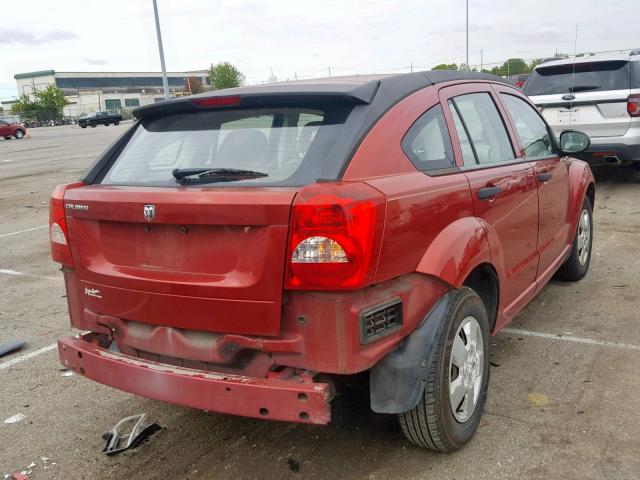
x,y
598,95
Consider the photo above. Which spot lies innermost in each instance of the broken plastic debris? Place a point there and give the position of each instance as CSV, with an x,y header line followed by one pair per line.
x,y
538,399
118,442
68,373
18,417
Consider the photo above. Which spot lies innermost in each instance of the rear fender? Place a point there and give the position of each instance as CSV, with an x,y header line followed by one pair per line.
x,y
456,251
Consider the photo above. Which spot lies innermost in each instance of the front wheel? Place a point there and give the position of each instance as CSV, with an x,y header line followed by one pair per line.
x,y
455,390
19,134
116,123
577,265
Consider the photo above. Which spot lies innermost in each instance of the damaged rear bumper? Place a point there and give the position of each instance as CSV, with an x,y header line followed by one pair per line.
x,y
295,399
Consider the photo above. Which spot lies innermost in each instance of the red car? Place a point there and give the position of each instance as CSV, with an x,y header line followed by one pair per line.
x,y
237,250
8,130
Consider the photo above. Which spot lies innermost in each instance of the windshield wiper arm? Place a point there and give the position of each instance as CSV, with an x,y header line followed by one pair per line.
x,y
210,175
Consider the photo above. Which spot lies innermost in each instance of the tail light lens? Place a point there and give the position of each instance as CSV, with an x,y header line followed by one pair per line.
x,y
58,233
633,105
334,237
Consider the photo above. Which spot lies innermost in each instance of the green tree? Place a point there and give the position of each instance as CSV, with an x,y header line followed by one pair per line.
x,y
514,66
26,108
51,102
225,75
446,66
46,104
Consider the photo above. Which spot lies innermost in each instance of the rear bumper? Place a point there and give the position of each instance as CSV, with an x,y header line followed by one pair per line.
x,y
611,153
299,400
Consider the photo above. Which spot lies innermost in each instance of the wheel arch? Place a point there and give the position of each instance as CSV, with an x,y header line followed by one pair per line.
x,y
483,279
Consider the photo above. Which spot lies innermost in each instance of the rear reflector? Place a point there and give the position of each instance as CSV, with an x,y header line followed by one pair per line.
x,y
217,101
633,105
334,237
58,233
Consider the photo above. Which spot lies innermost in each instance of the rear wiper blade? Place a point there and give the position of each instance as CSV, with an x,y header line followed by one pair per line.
x,y
206,175
584,88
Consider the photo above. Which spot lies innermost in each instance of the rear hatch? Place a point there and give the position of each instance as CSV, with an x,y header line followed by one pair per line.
x,y
187,227
591,98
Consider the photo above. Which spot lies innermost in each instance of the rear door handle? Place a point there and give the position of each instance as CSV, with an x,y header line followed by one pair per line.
x,y
543,177
487,193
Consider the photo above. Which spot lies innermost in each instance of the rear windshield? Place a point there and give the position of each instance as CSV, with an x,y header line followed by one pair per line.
x,y
589,77
288,145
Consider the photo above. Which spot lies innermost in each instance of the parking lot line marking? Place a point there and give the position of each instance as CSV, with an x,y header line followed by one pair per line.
x,y
23,231
6,271
27,356
571,338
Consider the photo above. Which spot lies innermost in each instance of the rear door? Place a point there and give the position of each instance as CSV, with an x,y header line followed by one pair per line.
x,y
503,188
538,146
593,98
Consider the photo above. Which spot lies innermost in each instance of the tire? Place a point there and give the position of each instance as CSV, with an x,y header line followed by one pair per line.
x,y
19,134
433,424
94,125
116,123
7,138
83,126
577,265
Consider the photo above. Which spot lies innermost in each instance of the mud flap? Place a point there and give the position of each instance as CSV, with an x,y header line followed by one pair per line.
x,y
397,381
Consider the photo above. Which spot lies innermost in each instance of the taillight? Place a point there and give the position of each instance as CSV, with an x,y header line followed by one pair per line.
x,y
334,237
633,105
58,233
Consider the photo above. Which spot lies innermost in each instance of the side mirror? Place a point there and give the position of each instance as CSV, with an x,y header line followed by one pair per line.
x,y
572,142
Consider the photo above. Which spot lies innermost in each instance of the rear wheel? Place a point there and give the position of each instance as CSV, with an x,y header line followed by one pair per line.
x,y
117,122
455,390
83,126
93,125
7,138
577,265
19,134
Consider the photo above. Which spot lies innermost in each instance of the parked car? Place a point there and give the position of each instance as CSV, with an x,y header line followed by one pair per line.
x,y
519,80
94,119
598,94
235,251
10,130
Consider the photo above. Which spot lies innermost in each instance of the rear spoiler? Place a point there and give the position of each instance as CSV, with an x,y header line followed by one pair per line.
x,y
270,95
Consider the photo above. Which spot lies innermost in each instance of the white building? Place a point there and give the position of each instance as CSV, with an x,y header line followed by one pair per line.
x,y
95,91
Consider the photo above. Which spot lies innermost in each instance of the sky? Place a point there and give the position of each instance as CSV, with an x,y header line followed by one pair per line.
x,y
300,37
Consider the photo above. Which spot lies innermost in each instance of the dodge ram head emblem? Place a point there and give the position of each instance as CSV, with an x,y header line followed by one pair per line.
x,y
149,212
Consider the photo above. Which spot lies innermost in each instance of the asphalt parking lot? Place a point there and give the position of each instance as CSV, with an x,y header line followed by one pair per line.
x,y
559,406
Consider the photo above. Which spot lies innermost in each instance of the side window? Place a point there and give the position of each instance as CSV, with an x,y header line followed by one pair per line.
x,y
532,130
427,143
3,124
481,122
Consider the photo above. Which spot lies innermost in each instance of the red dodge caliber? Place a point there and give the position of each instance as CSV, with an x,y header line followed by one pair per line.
x,y
237,250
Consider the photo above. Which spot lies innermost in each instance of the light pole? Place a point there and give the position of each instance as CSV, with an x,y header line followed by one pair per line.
x,y
165,83
467,34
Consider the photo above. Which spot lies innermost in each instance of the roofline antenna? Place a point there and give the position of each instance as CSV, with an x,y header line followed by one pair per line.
x,y
573,71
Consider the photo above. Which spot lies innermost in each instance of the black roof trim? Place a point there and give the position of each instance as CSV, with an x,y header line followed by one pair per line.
x,y
357,89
